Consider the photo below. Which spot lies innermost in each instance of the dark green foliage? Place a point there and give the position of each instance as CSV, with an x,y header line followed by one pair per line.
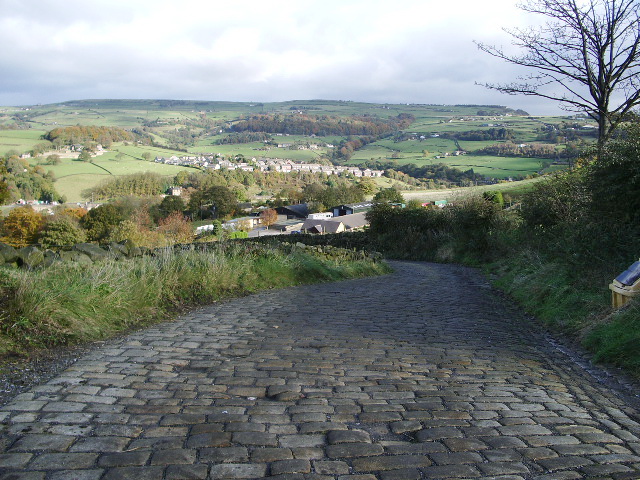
x,y
614,178
82,134
169,204
481,135
138,184
562,199
389,195
213,202
61,232
99,221
509,149
407,233
463,231
296,124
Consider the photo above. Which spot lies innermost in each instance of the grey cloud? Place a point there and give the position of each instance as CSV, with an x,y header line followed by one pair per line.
x,y
308,51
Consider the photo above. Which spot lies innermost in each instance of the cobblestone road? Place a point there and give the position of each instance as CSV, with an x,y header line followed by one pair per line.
x,y
422,374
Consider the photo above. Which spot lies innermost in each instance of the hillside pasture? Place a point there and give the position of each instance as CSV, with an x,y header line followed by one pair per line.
x,y
74,176
255,149
490,166
20,140
163,119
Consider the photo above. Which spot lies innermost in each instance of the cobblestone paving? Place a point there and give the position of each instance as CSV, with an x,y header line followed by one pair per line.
x,y
422,374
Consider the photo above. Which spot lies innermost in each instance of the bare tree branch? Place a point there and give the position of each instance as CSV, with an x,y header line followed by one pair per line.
x,y
587,58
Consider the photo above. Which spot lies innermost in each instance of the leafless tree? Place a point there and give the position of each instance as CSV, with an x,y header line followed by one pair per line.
x,y
586,56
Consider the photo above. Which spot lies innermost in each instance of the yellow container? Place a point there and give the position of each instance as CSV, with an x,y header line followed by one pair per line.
x,y
621,294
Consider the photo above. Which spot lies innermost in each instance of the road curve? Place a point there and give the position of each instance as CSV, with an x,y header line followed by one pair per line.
x,y
421,374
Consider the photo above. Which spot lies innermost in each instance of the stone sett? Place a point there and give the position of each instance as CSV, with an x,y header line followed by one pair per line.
x,y
423,373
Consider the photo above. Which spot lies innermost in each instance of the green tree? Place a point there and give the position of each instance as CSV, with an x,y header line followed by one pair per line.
x,y
213,202
99,222
181,178
169,204
85,155
5,195
61,232
367,185
614,178
53,159
146,156
388,195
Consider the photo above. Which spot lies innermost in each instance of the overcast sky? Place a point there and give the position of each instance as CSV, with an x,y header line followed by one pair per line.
x,y
402,51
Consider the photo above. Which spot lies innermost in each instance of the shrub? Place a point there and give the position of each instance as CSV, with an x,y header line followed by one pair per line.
x,y
563,198
614,179
61,232
99,221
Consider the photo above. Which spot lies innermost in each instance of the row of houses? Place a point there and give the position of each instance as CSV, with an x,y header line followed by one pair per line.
x,y
267,165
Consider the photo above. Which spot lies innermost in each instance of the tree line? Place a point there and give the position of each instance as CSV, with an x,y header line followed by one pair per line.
x,y
302,124
481,135
510,149
244,137
81,134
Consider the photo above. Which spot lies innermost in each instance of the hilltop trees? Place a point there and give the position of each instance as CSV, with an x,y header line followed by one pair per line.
x,y
323,124
82,134
585,57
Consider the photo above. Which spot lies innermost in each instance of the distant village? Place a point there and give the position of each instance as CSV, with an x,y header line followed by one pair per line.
x,y
215,162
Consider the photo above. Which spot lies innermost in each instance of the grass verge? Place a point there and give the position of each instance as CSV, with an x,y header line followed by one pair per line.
x,y
68,304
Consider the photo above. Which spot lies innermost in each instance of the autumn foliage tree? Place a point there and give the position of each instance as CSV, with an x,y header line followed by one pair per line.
x,y
269,217
22,226
176,228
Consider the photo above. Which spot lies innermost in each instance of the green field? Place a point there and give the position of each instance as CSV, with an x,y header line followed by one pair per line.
x,y
74,176
207,122
20,140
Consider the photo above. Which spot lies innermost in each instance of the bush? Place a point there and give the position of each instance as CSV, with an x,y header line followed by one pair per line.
x,y
614,179
562,199
61,232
